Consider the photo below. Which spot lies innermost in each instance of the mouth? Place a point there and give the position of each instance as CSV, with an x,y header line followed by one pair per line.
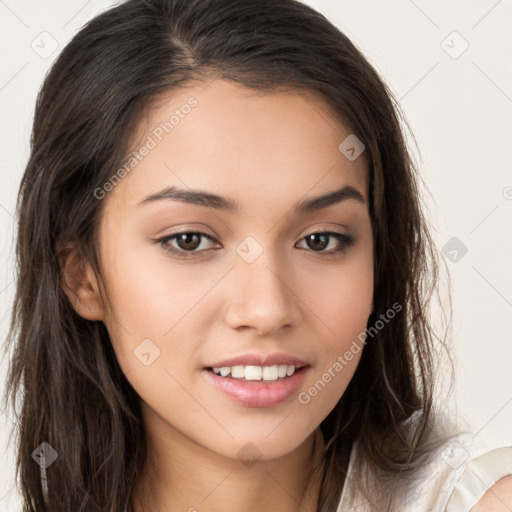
x,y
260,382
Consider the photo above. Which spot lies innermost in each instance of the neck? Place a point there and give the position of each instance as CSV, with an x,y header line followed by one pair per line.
x,y
193,479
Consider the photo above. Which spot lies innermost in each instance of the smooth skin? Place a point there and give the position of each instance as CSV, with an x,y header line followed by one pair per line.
x,y
498,498
267,152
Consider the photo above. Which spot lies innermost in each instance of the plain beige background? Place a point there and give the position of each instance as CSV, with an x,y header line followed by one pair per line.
x,y
450,66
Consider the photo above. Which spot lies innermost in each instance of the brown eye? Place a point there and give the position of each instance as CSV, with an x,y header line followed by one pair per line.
x,y
185,244
188,241
319,242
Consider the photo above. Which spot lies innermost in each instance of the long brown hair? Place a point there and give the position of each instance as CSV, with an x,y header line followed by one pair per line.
x,y
75,396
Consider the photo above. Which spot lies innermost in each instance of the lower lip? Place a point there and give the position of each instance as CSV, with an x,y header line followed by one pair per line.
x,y
258,393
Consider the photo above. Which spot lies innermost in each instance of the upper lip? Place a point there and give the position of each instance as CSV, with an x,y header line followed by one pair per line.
x,y
260,360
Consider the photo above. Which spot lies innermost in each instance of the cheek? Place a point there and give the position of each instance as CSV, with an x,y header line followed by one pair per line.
x,y
338,352
342,306
342,296
149,293
153,299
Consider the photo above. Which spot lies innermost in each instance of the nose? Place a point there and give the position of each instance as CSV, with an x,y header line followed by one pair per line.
x,y
261,296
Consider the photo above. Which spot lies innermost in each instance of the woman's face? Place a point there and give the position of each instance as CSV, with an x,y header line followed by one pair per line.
x,y
261,289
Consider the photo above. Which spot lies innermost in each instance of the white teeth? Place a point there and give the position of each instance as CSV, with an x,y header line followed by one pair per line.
x,y
238,372
270,372
252,372
225,371
282,370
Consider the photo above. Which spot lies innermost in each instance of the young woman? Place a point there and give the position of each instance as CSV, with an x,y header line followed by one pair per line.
x,y
224,275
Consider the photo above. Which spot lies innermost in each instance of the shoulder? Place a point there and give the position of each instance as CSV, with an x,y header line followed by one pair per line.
x,y
498,498
485,484
467,474
464,474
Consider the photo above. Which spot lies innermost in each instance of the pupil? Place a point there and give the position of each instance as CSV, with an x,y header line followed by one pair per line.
x,y
315,237
188,244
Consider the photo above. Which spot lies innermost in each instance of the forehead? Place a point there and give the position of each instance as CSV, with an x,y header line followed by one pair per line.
x,y
246,144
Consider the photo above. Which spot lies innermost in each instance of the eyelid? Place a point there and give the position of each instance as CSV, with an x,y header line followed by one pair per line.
x,y
185,228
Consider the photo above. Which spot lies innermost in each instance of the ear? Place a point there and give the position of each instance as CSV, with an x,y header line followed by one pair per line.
x,y
79,282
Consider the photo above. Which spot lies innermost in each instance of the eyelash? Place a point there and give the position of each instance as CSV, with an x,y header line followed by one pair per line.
x,y
345,240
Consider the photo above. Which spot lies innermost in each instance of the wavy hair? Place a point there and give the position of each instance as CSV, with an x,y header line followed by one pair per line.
x,y
63,369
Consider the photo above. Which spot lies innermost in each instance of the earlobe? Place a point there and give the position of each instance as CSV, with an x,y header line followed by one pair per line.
x,y
79,282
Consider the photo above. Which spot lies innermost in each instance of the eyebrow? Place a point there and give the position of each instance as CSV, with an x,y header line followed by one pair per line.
x,y
201,198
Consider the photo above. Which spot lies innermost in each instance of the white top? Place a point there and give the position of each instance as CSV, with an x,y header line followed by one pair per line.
x,y
454,481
